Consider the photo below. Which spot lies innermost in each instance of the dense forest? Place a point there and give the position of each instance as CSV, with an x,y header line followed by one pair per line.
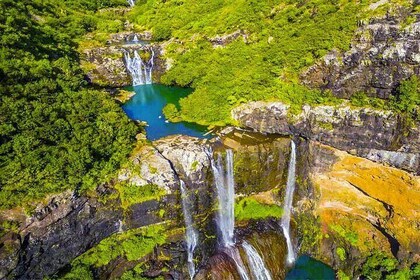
x,y
55,132
58,133
270,44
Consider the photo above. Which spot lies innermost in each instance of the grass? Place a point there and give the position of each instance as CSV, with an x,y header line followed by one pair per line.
x,y
132,245
249,208
132,194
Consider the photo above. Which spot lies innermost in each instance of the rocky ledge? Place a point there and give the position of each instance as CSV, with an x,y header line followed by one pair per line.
x,y
373,134
106,67
382,54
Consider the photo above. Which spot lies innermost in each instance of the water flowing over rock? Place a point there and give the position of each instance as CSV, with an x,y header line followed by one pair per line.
x,y
191,236
224,181
256,263
131,3
234,254
366,132
288,204
141,72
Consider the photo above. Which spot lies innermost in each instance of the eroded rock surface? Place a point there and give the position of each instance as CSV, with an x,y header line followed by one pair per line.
x,y
51,238
383,53
364,207
374,134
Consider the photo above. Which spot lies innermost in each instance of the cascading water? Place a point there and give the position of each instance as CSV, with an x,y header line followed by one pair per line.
x,y
225,185
224,182
191,236
135,39
131,3
234,254
256,263
288,201
140,72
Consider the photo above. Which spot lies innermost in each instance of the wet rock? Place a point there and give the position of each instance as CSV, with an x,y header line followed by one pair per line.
x,y
362,131
106,67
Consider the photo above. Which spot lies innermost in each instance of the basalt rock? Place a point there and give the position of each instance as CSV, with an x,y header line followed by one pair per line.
x,y
51,238
383,53
106,67
375,134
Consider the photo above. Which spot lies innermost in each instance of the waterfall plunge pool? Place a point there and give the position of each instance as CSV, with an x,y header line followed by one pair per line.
x,y
307,268
147,104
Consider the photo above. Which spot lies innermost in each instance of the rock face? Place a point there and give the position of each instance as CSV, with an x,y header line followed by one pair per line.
x,y
106,67
374,134
363,207
382,54
51,238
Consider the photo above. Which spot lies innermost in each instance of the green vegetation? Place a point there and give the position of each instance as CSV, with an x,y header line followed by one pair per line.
x,y
407,99
132,245
349,236
249,208
270,44
132,194
170,111
342,275
55,134
310,230
341,252
381,266
8,226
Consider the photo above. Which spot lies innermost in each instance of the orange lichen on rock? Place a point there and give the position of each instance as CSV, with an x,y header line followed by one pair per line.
x,y
360,195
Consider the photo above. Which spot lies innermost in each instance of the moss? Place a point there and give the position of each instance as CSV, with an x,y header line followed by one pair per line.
x,y
8,226
326,125
132,245
249,208
351,237
309,228
132,194
161,213
341,252
341,275
194,165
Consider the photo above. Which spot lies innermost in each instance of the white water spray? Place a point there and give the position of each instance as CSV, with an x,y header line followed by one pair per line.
x,y
191,236
225,186
224,181
288,201
256,263
131,3
234,254
135,39
141,72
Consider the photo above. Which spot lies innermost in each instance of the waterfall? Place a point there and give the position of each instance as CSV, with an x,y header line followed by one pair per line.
x,y
140,72
191,236
225,186
224,181
131,3
288,201
135,38
256,263
233,253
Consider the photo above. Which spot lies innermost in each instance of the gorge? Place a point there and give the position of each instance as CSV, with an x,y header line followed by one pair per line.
x,y
235,140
